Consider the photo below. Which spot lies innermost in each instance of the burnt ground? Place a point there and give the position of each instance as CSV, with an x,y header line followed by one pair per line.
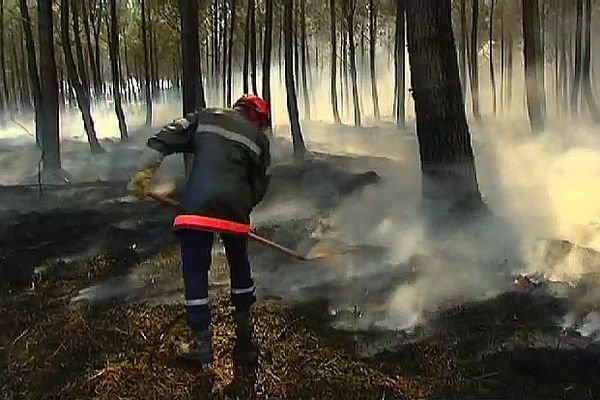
x,y
89,309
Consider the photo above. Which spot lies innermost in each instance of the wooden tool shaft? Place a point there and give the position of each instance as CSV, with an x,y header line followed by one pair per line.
x,y
259,239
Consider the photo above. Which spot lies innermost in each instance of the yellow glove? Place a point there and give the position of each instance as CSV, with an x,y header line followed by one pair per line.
x,y
141,182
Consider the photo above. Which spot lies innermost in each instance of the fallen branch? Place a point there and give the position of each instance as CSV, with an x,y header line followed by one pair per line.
x,y
485,376
20,336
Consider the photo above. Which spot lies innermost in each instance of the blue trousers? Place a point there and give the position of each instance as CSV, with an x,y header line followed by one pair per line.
x,y
196,249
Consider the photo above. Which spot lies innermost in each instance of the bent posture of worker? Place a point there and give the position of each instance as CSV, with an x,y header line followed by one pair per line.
x,y
228,179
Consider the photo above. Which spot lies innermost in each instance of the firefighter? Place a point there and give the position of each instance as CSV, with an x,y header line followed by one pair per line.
x,y
228,179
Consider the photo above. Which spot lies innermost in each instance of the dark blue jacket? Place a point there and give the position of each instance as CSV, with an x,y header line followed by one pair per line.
x,y
230,173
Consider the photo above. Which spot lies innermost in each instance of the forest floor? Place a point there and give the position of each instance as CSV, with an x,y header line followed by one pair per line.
x,y
91,308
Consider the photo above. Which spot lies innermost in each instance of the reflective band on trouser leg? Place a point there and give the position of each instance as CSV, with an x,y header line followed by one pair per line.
x,y
196,247
242,285
243,298
243,291
197,313
198,222
197,302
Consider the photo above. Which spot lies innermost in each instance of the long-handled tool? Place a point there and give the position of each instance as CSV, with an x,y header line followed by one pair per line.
x,y
259,239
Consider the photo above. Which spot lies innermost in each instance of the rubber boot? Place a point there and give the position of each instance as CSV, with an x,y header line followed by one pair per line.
x,y
200,350
245,352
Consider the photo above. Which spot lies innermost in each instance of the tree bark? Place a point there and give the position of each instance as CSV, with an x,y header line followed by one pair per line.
x,y
88,40
49,88
463,46
246,66
226,50
575,92
81,95
509,71
6,96
229,55
536,101
190,48
334,99
292,100
586,64
400,64
303,54
447,160
32,68
268,39
147,77
372,43
151,51
79,48
502,57
473,61
350,11
564,70
17,82
491,45
190,53
253,46
23,72
96,13
113,45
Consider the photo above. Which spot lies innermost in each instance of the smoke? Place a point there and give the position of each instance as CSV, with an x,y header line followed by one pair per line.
x,y
541,190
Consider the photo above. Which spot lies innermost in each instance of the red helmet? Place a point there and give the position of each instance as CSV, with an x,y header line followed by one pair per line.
x,y
258,109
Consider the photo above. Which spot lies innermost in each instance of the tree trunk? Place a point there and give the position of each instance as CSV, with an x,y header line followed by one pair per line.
x,y
463,46
113,45
304,59
473,61
281,45
16,76
372,42
151,50
147,77
266,67
334,99
586,67
5,100
350,10
88,39
190,49
400,64
253,46
230,54
79,48
32,69
154,60
447,161
246,66
97,15
564,70
215,46
296,52
509,71
23,70
575,92
536,102
344,61
225,52
492,71
292,100
81,95
191,56
49,88
502,57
